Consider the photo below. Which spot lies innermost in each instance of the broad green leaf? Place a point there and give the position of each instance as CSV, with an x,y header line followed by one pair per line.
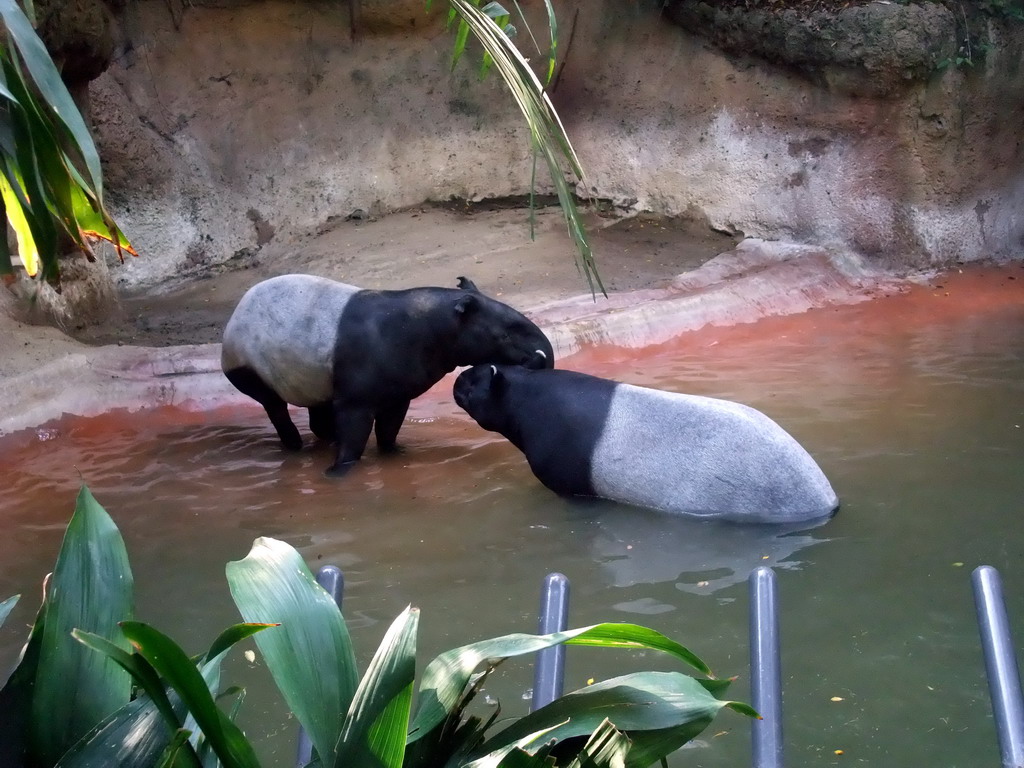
x,y
136,735
7,605
310,655
91,589
634,636
181,674
47,79
658,711
446,676
142,672
377,722
92,218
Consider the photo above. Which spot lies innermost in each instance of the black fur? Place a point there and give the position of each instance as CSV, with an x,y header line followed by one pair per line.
x,y
565,418
394,345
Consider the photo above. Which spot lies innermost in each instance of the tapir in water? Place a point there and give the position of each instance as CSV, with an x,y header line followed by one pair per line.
x,y
356,358
587,436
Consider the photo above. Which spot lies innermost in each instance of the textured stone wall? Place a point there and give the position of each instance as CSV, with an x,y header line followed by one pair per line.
x,y
223,128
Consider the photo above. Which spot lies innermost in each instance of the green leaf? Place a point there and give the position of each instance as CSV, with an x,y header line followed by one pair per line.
x,y
513,754
181,674
553,50
446,676
171,755
16,698
634,636
91,589
310,655
7,605
377,722
232,635
27,248
607,746
47,79
142,672
136,735
210,670
659,711
548,136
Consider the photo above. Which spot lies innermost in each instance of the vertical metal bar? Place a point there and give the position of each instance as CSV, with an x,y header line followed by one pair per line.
x,y
1000,664
765,670
549,673
330,578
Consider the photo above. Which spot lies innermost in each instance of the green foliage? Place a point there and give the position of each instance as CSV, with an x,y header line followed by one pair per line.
x,y
548,139
85,648
42,192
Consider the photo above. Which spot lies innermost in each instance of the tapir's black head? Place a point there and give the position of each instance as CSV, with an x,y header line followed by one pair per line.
x,y
480,391
492,332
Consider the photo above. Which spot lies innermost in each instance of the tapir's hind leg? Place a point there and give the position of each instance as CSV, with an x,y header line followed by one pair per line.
x,y
321,421
249,383
389,420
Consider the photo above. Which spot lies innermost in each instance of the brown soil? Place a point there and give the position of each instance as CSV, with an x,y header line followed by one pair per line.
x,y
426,246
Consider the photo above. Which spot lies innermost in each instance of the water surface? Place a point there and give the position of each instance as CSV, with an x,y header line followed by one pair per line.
x,y
913,405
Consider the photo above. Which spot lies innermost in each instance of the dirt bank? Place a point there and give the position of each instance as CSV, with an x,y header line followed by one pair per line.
x,y
425,246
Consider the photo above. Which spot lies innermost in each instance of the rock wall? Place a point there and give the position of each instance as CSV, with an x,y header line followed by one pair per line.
x,y
225,128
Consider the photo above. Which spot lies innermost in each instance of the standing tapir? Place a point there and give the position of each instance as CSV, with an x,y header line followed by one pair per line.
x,y
587,436
356,358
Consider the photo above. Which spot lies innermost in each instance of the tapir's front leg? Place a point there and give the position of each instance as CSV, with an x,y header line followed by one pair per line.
x,y
387,422
352,427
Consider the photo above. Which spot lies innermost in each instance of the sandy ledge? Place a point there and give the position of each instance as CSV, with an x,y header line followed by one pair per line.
x,y
45,374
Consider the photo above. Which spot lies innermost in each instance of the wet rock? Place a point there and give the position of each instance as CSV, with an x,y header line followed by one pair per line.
x,y
870,49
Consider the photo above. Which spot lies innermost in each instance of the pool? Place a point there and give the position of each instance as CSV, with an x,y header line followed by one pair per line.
x,y
912,404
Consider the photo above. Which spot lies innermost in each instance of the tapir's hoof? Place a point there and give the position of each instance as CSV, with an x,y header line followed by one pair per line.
x,y
390,450
293,446
339,470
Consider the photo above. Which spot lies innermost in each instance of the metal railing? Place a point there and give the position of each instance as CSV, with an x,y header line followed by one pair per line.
x,y
765,660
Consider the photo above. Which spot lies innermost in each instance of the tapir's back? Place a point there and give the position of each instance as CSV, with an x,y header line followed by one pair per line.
x,y
285,329
703,456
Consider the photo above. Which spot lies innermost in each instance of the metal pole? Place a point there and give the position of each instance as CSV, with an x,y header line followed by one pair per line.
x,y
549,673
1000,664
330,578
765,670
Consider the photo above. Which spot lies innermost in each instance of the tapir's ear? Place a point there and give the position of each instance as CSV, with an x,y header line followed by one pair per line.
x,y
465,304
467,285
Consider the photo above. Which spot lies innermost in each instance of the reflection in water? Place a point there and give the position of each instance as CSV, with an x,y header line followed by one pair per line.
x,y
913,406
702,557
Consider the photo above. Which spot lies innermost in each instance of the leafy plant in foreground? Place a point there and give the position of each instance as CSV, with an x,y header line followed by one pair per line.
x,y
132,697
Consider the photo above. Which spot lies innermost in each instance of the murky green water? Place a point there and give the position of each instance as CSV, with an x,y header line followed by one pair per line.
x,y
913,406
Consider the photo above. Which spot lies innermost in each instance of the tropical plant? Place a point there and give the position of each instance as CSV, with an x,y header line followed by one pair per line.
x,y
492,28
126,695
42,192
